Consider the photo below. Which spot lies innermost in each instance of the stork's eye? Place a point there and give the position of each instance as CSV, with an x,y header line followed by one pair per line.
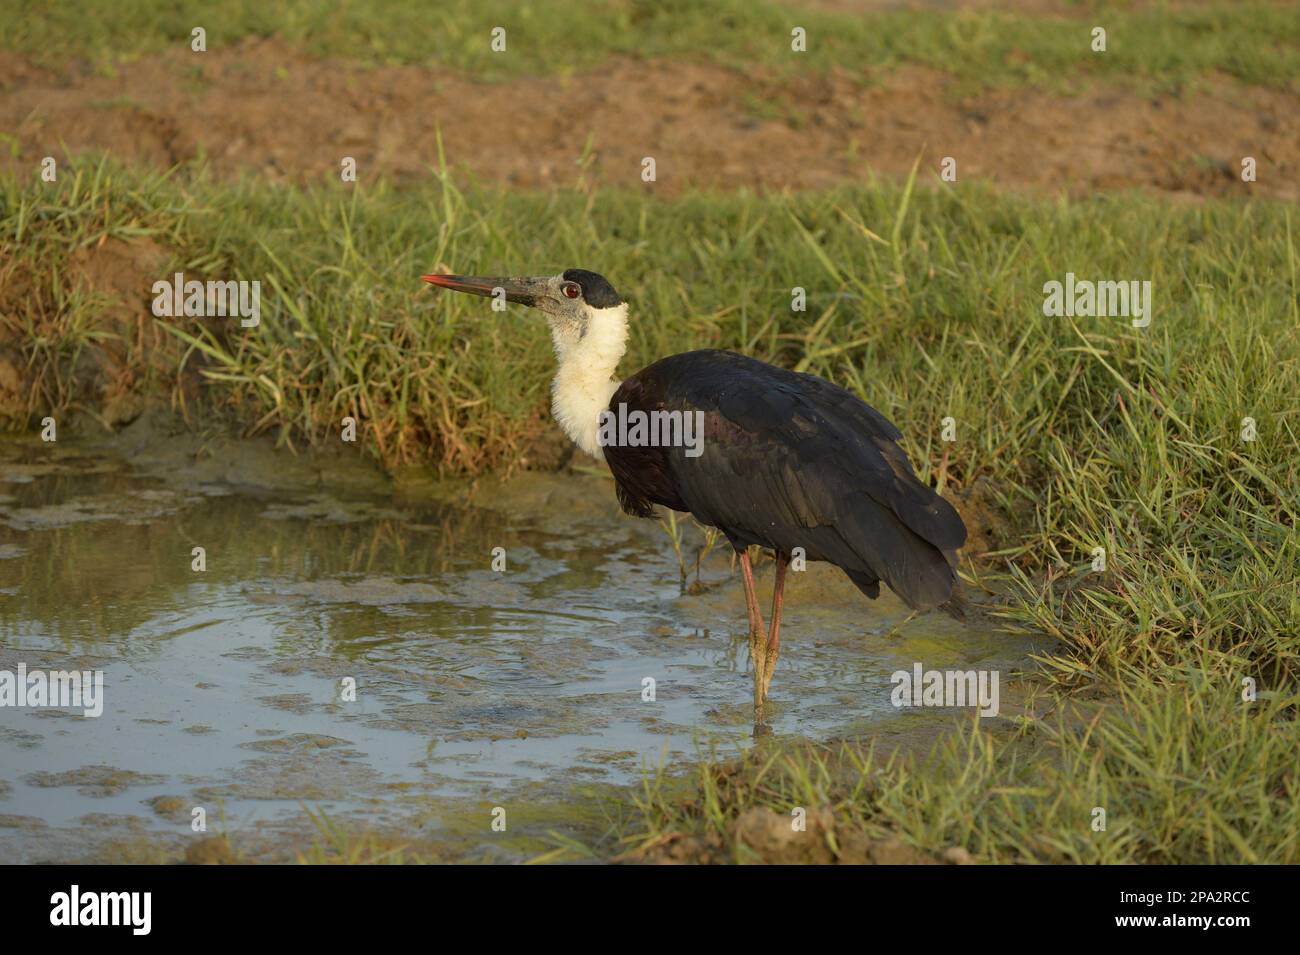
x,y
572,289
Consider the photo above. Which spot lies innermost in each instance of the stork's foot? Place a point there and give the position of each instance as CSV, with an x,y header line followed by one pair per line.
x,y
764,649
763,652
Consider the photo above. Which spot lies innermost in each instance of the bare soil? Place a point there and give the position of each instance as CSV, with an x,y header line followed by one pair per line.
x,y
769,839
264,109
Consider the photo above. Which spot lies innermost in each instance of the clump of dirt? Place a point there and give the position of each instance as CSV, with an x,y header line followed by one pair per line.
x,y
126,348
765,836
988,525
134,347
802,835
774,838
263,107
214,850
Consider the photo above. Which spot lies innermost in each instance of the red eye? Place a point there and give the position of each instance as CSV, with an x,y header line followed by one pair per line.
x,y
572,290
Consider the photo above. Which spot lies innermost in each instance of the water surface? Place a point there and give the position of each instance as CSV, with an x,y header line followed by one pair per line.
x,y
475,688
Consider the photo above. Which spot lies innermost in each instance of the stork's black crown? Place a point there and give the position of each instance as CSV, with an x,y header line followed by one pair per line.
x,y
596,290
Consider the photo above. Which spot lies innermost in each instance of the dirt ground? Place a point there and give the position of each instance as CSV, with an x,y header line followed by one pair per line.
x,y
264,109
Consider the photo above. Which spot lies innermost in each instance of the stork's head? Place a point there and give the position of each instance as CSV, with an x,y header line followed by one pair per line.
x,y
588,324
575,302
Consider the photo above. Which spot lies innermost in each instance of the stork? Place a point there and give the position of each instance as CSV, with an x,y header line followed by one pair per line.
x,y
785,460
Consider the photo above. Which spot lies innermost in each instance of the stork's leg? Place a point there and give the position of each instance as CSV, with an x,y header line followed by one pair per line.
x,y
757,636
751,595
774,640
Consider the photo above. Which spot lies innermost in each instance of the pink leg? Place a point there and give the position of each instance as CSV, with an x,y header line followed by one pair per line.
x,y
757,636
778,601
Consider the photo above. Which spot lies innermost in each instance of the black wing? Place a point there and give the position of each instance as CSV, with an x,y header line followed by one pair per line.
x,y
791,460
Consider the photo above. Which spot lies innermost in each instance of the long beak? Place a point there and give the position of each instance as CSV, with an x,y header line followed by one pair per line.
x,y
525,291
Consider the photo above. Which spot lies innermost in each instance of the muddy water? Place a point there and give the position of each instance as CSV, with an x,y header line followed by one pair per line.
x,y
224,688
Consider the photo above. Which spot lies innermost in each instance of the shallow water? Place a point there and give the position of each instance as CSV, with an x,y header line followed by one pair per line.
x,y
222,687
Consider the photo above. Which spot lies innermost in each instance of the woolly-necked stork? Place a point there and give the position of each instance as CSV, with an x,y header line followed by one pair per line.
x,y
787,460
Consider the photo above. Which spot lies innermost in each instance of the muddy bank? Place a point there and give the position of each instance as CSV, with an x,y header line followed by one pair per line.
x,y
266,109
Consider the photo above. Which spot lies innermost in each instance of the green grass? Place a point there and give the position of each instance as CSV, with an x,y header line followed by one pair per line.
x,y
1183,770
1080,432
1257,43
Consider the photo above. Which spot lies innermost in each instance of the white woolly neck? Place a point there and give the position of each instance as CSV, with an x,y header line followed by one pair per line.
x,y
584,382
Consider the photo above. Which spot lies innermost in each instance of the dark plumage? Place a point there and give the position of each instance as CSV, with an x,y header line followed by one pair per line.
x,y
791,460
